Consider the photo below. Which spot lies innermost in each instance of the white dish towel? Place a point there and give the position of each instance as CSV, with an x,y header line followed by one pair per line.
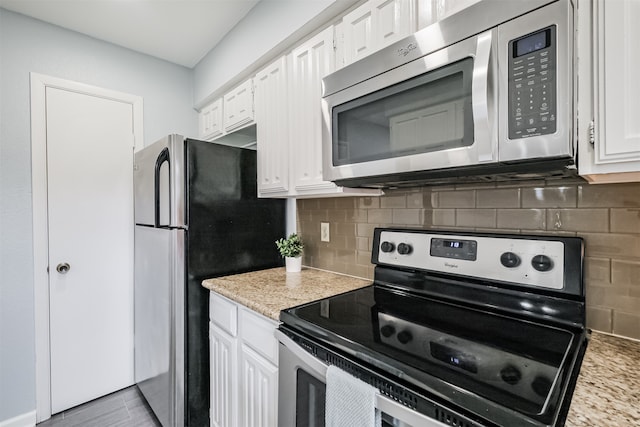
x,y
350,402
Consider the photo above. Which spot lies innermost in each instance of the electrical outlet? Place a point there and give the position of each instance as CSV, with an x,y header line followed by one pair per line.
x,y
324,232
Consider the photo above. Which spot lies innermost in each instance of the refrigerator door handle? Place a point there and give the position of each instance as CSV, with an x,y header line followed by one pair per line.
x,y
160,160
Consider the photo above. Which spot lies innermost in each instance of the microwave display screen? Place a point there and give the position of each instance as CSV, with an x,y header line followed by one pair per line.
x,y
532,43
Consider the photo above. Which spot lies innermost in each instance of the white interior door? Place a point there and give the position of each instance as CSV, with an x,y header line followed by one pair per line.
x,y
90,214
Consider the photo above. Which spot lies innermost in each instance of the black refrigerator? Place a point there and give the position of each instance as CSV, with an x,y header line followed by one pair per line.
x,y
197,216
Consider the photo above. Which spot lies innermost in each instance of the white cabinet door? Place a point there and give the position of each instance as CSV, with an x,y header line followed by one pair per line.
x,y
223,373
392,21
210,119
310,63
357,38
377,24
615,155
238,106
272,130
259,390
432,11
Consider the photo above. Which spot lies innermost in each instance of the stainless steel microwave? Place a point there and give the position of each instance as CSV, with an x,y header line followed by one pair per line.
x,y
485,94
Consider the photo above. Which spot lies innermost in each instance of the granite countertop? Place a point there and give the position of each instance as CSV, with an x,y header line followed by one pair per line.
x,y
270,291
607,393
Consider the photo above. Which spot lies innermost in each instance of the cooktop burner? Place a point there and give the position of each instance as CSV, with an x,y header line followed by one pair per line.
x,y
490,324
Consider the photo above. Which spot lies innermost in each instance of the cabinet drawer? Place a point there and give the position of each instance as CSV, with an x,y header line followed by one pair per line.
x,y
256,332
223,313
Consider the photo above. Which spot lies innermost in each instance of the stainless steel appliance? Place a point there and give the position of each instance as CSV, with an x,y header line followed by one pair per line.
x,y
483,95
197,216
458,329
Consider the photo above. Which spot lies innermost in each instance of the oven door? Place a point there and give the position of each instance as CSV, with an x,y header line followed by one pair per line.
x,y
302,387
435,112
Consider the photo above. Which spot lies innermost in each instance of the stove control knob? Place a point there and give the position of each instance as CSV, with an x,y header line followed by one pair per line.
x,y
404,249
511,375
510,260
541,386
542,263
387,331
404,337
387,247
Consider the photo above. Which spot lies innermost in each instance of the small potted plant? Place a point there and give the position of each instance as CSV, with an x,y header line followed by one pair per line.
x,y
291,250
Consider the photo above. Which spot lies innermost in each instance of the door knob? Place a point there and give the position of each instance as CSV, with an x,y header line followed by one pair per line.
x,y
63,268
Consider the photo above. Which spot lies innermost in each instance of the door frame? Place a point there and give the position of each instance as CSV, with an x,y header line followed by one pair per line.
x,y
39,185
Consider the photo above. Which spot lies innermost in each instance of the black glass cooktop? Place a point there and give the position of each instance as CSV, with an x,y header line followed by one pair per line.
x,y
459,354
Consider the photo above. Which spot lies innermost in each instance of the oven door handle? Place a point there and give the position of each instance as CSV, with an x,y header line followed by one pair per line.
x,y
384,404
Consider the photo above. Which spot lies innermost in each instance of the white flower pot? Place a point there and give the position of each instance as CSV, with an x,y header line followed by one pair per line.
x,y
293,265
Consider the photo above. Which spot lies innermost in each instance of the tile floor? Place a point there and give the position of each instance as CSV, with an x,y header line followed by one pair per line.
x,y
124,408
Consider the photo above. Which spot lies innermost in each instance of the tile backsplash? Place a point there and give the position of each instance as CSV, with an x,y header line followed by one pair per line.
x,y
606,216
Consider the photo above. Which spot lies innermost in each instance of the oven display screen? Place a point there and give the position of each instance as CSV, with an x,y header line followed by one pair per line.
x,y
453,243
454,357
454,249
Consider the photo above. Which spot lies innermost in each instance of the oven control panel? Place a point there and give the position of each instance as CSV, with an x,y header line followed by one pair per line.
x,y
514,373
530,262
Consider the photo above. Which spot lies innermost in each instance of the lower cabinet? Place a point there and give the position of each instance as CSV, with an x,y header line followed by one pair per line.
x,y
244,366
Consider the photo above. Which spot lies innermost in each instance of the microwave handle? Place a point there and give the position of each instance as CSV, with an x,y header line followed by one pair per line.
x,y
483,95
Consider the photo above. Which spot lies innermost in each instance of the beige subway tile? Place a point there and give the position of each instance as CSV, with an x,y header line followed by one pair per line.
x,y
345,203
394,201
357,215
600,319
364,272
523,219
344,229
441,217
595,294
431,200
416,200
365,230
363,244
520,183
320,215
368,202
620,300
626,324
407,216
346,256
556,233
611,245
379,216
597,270
625,220
345,242
609,195
625,272
363,258
590,220
549,197
456,199
498,198
476,217
326,203
337,215
307,204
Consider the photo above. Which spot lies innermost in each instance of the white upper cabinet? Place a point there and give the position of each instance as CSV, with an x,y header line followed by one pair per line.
x,y
310,62
210,120
272,129
432,11
376,24
238,106
614,155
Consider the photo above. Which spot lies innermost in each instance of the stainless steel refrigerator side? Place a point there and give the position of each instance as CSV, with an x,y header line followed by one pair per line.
x,y
153,299
178,237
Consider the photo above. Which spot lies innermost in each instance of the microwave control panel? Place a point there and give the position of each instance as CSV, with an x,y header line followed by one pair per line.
x,y
532,84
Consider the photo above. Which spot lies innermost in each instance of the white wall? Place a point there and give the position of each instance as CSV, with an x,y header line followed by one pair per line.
x,y
271,23
28,45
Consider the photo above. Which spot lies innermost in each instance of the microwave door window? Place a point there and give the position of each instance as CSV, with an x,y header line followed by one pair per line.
x,y
431,112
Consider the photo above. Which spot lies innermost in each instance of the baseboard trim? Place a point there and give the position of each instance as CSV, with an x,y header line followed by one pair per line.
x,y
24,420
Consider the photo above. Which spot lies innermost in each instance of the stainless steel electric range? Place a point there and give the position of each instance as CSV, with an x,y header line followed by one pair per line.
x,y
458,329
